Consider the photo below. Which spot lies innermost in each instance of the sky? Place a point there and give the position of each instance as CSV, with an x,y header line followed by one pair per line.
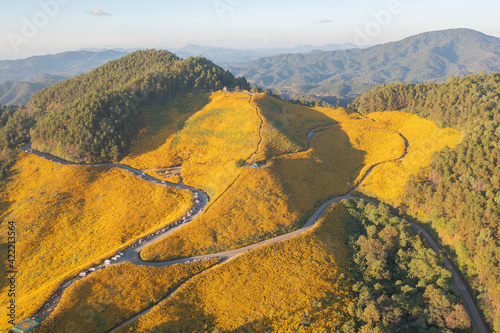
x,y
36,27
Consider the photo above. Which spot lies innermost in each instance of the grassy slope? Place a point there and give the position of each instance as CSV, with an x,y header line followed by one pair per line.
x,y
112,295
386,182
70,216
276,198
206,134
277,287
206,143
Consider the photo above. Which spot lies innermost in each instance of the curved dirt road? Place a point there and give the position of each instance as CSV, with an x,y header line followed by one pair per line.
x,y
132,254
469,303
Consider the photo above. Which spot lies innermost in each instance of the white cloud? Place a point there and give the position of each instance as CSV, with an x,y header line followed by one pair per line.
x,y
324,21
98,12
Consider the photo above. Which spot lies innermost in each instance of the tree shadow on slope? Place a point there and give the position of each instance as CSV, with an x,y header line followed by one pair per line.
x,y
288,125
182,317
279,197
304,180
156,121
326,170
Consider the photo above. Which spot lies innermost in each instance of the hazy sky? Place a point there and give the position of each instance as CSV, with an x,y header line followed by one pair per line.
x,y
31,27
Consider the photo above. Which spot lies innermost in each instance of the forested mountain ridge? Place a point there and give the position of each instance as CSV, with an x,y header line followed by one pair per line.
x,y
431,56
459,102
15,123
459,193
94,116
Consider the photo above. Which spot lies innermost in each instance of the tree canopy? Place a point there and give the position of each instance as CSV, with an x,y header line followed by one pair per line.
x,y
400,283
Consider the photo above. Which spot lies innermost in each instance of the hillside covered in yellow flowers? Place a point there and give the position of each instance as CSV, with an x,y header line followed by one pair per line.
x,y
69,217
266,165
295,176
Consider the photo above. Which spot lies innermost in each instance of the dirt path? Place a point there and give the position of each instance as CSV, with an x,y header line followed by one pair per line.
x,y
260,128
467,299
249,158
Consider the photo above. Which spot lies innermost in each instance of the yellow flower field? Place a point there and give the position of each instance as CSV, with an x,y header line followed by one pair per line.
x,y
387,181
285,125
279,196
379,142
206,143
68,217
110,296
277,287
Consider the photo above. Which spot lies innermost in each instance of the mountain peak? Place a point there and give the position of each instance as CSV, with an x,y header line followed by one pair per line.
x,y
429,56
461,34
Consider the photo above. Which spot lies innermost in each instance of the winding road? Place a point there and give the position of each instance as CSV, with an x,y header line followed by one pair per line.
x,y
132,253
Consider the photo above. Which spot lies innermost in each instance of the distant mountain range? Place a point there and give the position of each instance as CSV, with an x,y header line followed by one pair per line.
x,y
431,56
68,64
331,72
225,56
18,77
20,92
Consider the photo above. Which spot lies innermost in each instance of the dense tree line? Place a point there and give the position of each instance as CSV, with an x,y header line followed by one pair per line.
x,y
459,102
459,193
94,116
15,123
400,285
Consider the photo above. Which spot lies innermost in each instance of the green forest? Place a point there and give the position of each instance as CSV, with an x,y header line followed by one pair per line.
x,y
15,123
458,195
94,116
400,284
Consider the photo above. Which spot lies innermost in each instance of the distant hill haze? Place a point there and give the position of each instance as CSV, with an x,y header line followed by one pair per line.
x,y
20,79
331,72
20,92
430,56
68,64
225,56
